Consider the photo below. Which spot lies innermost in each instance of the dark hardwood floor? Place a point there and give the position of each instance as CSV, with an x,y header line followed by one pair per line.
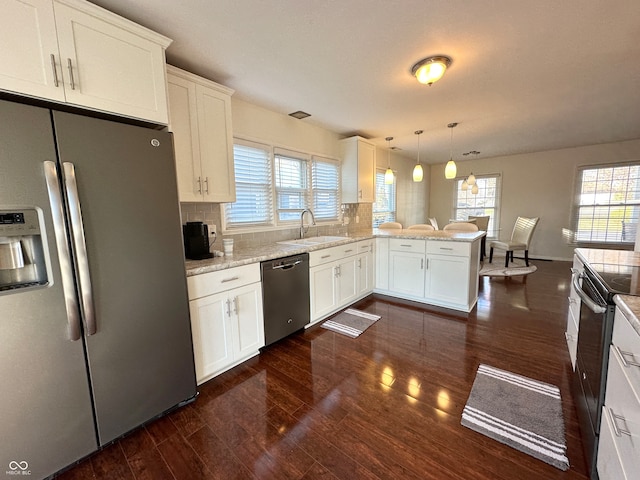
x,y
386,405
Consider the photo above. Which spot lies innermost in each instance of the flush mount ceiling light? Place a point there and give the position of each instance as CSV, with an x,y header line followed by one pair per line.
x,y
299,114
450,169
417,170
388,175
430,69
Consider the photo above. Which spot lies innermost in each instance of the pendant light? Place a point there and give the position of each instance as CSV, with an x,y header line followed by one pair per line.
x,y
388,175
418,173
465,185
450,169
474,189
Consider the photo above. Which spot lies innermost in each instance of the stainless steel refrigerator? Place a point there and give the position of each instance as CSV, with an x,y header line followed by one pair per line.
x,y
95,334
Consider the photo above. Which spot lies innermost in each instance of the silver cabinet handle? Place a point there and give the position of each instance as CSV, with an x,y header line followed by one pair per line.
x,y
422,264
595,308
199,185
624,361
228,308
350,250
64,256
80,248
325,256
206,182
445,248
55,70
71,79
405,245
616,429
336,271
359,263
229,279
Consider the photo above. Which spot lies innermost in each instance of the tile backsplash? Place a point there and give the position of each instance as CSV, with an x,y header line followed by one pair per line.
x,y
209,213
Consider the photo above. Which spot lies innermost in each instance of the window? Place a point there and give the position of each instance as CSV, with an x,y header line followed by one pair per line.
x,y
384,209
292,185
607,204
485,202
294,182
326,189
253,205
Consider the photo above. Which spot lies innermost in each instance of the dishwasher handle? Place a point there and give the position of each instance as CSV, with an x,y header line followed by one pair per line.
x,y
286,266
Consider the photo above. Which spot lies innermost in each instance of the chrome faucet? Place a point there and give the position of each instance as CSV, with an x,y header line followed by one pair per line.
x,y
313,221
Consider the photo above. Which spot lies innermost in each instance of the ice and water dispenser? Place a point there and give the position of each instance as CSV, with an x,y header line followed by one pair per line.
x,y
22,259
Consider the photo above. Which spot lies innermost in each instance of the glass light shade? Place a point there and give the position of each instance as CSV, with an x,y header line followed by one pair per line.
x,y
418,173
471,180
464,185
430,72
474,189
388,176
450,170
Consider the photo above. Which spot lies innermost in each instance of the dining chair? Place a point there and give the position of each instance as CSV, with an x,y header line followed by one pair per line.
x,y
460,227
483,225
520,239
390,226
421,226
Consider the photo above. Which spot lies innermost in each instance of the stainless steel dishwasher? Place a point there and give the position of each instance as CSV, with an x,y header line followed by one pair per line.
x,y
285,296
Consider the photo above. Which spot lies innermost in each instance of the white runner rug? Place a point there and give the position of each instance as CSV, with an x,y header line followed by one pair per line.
x,y
351,322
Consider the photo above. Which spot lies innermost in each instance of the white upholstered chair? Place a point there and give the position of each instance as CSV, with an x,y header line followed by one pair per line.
x,y
390,226
520,239
460,227
421,226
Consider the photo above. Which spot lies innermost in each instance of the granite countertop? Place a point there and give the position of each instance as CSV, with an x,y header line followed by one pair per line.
x,y
630,306
277,250
610,257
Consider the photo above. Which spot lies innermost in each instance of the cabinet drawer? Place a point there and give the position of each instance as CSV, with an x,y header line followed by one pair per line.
x,y
609,463
326,255
365,247
461,249
627,340
406,245
622,409
215,282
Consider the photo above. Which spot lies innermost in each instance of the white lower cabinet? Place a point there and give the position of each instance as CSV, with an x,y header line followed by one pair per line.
x,y
336,275
227,326
573,315
619,442
442,273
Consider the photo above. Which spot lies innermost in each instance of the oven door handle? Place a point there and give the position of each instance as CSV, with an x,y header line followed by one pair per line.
x,y
593,306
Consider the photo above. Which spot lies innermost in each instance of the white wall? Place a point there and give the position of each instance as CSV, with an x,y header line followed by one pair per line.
x,y
259,124
537,185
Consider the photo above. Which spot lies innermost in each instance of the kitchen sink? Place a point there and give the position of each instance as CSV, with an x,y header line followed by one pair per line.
x,y
310,241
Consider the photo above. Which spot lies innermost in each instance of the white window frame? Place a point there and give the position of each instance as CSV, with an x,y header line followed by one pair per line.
x,y
379,214
476,202
274,222
596,202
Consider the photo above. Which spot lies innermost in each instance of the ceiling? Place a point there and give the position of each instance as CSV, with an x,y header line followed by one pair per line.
x,y
525,77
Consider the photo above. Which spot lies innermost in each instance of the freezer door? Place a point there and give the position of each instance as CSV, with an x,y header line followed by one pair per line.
x,y
131,251
46,418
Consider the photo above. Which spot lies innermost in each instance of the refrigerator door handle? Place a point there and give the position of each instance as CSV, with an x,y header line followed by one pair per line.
x,y
64,256
80,247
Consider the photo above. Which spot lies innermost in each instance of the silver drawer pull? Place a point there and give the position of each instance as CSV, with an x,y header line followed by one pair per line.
x,y
350,250
624,361
446,248
325,256
55,70
72,81
404,245
617,430
229,279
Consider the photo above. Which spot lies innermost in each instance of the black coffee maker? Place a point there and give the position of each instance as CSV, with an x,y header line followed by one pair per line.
x,y
196,241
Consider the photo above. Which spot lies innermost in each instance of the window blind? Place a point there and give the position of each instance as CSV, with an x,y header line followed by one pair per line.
x,y
292,185
253,205
607,204
384,208
325,174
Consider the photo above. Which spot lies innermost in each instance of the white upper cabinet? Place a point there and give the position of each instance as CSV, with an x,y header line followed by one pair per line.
x,y
200,119
358,170
75,52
